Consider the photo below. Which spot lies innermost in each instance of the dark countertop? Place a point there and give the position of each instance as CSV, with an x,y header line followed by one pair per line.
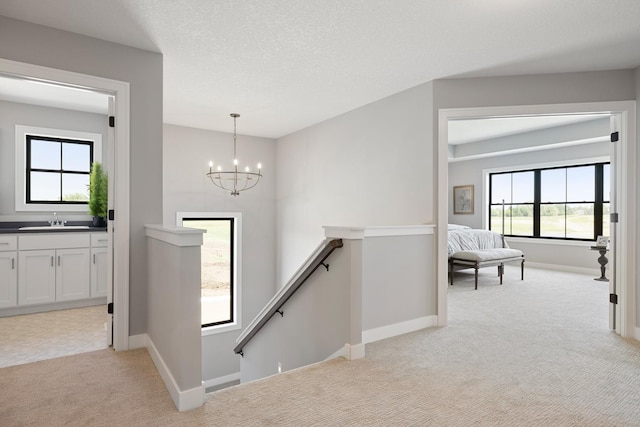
x,y
13,227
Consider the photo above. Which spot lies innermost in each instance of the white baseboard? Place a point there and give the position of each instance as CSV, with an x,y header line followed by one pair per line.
x,y
637,334
137,341
183,399
388,331
349,352
221,380
571,269
355,351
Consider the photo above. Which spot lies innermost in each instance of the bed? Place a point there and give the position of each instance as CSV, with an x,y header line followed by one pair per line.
x,y
473,248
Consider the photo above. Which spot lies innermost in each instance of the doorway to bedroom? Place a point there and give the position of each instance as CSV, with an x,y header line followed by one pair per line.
x,y
481,144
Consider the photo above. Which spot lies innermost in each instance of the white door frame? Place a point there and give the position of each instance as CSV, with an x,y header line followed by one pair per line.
x,y
119,170
627,192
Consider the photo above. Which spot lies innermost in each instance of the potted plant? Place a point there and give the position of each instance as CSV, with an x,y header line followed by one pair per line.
x,y
98,195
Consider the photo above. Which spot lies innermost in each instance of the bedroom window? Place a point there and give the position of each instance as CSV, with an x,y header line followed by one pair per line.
x,y
220,284
570,203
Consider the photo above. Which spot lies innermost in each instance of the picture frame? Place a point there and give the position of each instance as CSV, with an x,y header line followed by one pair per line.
x,y
602,241
463,199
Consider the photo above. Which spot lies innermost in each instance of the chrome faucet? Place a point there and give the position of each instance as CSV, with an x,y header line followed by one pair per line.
x,y
57,222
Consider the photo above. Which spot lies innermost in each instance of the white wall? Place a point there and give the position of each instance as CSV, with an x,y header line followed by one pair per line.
x,y
187,152
12,113
370,166
39,45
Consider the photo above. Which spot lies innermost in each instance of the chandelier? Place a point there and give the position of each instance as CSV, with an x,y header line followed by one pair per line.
x,y
234,181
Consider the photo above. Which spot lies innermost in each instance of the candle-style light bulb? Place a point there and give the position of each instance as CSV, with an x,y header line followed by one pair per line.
x,y
246,169
219,168
259,166
235,162
210,163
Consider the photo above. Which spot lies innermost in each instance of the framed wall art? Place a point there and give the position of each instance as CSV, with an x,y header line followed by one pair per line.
x,y
463,199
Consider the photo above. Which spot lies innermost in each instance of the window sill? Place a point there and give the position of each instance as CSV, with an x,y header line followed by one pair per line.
x,y
219,329
535,241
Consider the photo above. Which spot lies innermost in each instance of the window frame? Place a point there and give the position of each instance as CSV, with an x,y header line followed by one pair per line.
x,y
21,170
598,203
236,248
29,167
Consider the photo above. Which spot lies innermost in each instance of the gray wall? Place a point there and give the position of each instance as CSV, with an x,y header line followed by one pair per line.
x,y
36,44
174,310
12,113
187,152
396,280
370,166
637,76
560,88
319,319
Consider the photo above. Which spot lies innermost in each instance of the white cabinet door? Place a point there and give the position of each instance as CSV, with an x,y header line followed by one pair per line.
x,y
72,274
36,277
98,272
8,279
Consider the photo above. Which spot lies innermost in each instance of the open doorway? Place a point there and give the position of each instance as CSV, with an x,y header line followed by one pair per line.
x,y
117,253
56,295
624,158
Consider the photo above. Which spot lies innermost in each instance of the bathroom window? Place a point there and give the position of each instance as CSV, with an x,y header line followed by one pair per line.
x,y
53,168
220,272
58,170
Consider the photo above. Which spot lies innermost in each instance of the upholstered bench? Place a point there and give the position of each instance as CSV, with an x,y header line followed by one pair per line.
x,y
479,258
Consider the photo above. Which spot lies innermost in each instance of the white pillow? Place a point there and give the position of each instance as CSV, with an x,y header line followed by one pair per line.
x,y
456,227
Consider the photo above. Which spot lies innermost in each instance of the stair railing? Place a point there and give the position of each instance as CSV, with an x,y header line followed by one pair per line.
x,y
274,306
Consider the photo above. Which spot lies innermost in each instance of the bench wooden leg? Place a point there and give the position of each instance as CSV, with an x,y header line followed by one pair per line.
x,y
477,268
451,271
522,270
501,270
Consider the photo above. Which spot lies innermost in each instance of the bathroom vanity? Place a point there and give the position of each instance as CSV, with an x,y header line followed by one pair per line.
x,y
50,268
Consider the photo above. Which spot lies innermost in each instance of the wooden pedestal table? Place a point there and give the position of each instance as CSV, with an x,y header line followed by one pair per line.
x,y
602,260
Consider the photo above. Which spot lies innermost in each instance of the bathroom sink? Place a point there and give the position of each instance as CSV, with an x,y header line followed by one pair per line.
x,y
56,228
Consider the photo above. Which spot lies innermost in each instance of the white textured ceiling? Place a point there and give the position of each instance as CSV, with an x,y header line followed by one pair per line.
x,y
285,65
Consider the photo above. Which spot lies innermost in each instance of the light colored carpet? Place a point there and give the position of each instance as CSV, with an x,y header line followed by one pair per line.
x,y
40,336
527,353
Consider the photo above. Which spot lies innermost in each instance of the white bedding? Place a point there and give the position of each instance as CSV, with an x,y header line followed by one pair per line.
x,y
469,239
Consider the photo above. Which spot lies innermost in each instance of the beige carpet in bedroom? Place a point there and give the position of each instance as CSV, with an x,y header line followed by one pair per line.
x,y
530,353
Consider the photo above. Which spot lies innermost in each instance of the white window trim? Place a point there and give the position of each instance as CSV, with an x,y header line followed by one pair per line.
x,y
237,270
21,166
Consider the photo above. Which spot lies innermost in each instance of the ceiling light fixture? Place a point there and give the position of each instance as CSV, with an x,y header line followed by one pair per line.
x,y
234,181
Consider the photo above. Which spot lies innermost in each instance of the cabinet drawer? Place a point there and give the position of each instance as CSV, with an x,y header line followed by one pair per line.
x,y
54,241
99,240
8,243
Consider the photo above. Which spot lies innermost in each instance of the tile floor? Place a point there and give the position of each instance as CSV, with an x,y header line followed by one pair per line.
x,y
32,337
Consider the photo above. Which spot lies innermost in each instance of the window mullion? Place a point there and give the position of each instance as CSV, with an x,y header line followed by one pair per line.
x,y
537,195
598,205
61,169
